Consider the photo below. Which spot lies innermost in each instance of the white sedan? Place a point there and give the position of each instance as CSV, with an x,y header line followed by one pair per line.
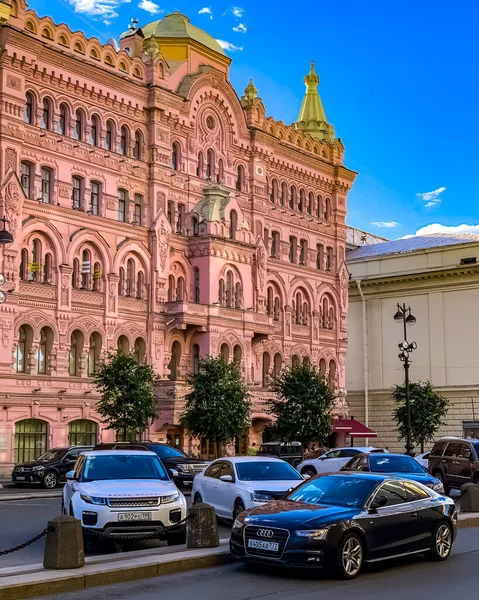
x,y
234,484
332,461
119,493
423,460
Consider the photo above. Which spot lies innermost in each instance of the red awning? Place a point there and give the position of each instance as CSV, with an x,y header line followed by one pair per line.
x,y
353,428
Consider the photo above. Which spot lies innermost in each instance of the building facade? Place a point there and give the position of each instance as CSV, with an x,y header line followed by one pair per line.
x,y
154,210
438,277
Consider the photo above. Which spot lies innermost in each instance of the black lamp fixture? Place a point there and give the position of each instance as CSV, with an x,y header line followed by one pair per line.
x,y
5,236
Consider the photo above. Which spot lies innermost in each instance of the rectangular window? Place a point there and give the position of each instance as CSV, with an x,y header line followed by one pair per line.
x,y
46,186
137,211
292,249
122,205
180,223
303,251
95,198
320,257
171,212
275,244
76,193
329,259
266,238
26,179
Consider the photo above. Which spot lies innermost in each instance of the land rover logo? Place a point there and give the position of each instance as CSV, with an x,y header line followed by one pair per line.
x,y
266,533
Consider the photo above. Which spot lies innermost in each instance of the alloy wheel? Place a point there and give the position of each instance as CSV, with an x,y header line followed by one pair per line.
x,y
443,540
239,508
352,556
308,471
50,480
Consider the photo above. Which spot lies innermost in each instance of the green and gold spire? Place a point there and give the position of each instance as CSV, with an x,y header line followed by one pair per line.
x,y
311,118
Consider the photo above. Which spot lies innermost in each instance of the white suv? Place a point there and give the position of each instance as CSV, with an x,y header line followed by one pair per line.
x,y
125,494
332,461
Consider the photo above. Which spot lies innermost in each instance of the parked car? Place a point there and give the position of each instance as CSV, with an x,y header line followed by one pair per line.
x,y
291,452
172,458
124,493
394,464
231,485
343,520
50,468
455,462
422,459
332,461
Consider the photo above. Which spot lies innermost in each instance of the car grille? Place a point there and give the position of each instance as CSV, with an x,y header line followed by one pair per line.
x,y
133,502
187,468
279,535
275,495
23,469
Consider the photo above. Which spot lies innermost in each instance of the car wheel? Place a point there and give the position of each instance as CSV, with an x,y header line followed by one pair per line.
x,y
442,542
238,509
440,476
198,499
311,471
50,480
349,557
175,538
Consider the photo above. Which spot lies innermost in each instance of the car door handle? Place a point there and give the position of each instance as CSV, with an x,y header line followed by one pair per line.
x,y
413,515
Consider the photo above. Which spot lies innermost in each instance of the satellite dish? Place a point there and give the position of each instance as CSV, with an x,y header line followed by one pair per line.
x,y
113,43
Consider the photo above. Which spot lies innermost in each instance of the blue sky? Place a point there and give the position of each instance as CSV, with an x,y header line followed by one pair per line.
x,y
398,80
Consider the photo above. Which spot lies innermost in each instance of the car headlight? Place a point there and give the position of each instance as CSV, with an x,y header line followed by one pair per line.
x,y
437,487
313,534
238,524
261,497
93,500
169,499
183,468
36,469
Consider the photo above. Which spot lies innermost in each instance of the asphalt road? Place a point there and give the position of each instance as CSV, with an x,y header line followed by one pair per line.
x,y
23,519
412,578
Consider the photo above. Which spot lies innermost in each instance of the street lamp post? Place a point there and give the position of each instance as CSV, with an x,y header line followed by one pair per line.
x,y
405,315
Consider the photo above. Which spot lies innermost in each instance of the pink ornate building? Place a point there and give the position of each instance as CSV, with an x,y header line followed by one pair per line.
x,y
153,209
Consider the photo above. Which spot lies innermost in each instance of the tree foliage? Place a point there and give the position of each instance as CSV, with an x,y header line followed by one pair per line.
x,y
303,405
128,402
428,409
218,406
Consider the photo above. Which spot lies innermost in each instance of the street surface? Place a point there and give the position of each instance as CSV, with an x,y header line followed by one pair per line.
x,y
23,519
412,578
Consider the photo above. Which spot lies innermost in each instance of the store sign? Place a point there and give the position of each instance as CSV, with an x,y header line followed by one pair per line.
x,y
96,274
34,267
85,266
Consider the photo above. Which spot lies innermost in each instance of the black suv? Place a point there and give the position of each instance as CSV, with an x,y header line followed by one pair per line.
x,y
291,452
172,458
455,462
50,468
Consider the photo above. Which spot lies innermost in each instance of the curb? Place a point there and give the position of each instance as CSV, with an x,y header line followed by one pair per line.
x,y
10,497
49,582
468,520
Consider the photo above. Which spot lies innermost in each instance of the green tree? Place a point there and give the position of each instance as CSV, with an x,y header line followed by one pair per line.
x,y
428,409
218,406
303,405
128,402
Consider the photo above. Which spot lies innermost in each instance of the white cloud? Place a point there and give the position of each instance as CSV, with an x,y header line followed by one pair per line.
x,y
206,10
385,224
229,46
149,6
106,22
241,28
431,198
97,8
237,11
438,228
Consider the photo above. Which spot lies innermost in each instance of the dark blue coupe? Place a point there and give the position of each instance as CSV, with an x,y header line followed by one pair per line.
x,y
341,521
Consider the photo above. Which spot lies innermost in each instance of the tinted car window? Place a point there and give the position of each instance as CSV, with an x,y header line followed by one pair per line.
x,y
333,454
227,469
476,447
266,471
335,489
465,451
214,470
269,450
414,492
167,451
345,453
52,455
353,464
78,466
72,455
394,492
453,449
438,448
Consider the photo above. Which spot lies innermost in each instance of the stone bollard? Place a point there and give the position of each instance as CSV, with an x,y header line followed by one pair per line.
x,y
64,544
202,527
470,498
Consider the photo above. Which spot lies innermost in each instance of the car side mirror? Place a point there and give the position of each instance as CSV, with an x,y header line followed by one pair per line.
x,y
378,502
226,478
174,473
70,475
306,476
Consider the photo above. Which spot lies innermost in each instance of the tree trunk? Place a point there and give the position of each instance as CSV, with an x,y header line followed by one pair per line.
x,y
422,446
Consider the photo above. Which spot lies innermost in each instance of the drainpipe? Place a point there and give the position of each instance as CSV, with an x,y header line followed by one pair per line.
x,y
365,356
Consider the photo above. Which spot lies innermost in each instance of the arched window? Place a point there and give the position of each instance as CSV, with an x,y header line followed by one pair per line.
x,y
46,185
94,353
327,209
79,129
276,309
302,200
332,374
82,432
46,118
171,289
138,147
210,165
123,197
293,249
196,359
325,312
24,265
175,361
220,177
265,372
319,206
322,367
29,109
237,354
303,252
233,224
139,350
221,292
229,289
269,301
63,120
95,190
196,283
225,352
123,344
274,191
130,277
180,289
306,361
47,269
31,436
277,365
24,344
140,283
295,360
293,199
196,226
284,194
121,282
240,178
200,167
175,156
76,349
181,219
238,295
329,259
319,256
77,193
76,273
124,141
109,135
331,318
298,307
86,270
275,244
310,203
97,277
27,177
95,131
36,260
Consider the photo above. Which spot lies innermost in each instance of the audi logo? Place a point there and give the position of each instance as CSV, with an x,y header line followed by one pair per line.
x,y
266,533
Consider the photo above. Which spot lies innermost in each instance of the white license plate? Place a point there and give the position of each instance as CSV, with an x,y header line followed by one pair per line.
x,y
20,478
260,545
187,483
136,516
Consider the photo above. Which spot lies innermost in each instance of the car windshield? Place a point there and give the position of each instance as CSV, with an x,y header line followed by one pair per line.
x,y
476,447
52,455
394,464
167,451
266,471
335,489
123,466
269,450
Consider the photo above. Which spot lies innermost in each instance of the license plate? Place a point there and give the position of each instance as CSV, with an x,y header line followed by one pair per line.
x,y
260,545
20,478
187,483
136,516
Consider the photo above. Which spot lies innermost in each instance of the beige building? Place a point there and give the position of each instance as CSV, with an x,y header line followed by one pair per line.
x,y
438,277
